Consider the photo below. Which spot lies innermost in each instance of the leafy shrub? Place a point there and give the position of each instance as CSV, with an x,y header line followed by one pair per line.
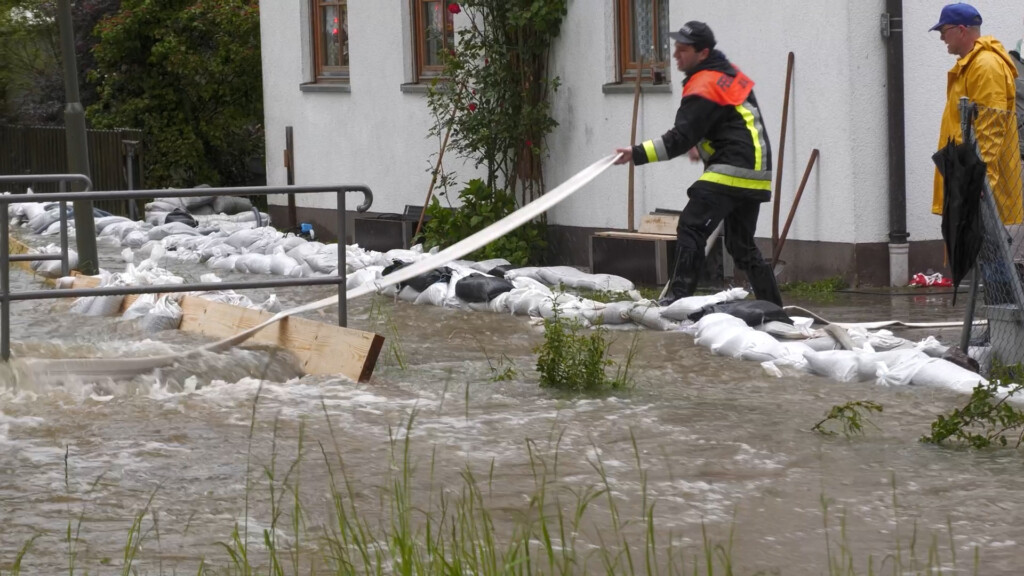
x,y
571,360
481,207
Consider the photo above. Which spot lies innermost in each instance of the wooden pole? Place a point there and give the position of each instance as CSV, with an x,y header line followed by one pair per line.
x,y
776,206
433,177
632,142
792,210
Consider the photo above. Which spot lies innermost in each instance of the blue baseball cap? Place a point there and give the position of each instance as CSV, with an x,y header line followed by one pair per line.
x,y
958,14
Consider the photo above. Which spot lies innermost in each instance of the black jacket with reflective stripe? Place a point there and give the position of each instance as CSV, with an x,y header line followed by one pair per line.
x,y
719,114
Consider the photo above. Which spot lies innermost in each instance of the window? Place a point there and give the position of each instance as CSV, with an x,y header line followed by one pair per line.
x,y
330,40
643,37
434,32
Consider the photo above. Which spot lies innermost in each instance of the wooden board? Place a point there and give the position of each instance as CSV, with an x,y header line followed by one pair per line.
x,y
636,235
659,224
320,348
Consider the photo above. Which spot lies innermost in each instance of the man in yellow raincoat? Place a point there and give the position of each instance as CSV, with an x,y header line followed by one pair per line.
x,y
985,74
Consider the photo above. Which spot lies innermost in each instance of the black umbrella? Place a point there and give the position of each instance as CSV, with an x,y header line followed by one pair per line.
x,y
963,174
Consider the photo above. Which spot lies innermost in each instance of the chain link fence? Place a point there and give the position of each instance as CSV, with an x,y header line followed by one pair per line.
x,y
995,293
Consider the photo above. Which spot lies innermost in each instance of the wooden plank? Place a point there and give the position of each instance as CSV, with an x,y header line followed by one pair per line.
x,y
659,224
319,348
636,236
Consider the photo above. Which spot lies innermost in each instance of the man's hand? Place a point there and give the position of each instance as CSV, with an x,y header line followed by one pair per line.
x,y
693,154
625,155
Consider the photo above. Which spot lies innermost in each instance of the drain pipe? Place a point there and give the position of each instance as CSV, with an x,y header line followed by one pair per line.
x,y
899,247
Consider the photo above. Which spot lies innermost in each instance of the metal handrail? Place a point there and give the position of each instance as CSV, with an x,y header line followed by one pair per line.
x,y
63,179
6,297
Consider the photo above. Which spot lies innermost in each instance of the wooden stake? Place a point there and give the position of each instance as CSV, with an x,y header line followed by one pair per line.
x,y
776,206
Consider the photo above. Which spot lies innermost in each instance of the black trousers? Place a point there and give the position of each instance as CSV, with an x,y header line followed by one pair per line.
x,y
702,214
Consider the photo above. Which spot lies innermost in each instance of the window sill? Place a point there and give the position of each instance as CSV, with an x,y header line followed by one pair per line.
x,y
415,88
326,87
629,87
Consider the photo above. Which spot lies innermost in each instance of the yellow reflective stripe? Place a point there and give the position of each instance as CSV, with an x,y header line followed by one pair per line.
x,y
706,145
748,118
736,181
652,154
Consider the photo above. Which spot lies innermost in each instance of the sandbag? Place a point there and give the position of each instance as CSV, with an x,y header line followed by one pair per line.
x,y
683,307
838,365
179,215
423,281
164,315
231,205
753,312
714,329
480,288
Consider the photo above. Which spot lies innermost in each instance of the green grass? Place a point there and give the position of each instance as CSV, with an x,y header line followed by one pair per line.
x,y
824,288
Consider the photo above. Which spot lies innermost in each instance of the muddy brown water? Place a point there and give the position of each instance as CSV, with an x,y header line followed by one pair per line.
x,y
721,443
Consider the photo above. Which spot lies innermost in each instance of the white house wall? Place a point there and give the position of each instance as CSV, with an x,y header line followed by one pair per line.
x,y
376,134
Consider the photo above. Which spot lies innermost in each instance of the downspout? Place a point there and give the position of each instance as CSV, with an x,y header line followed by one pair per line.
x,y
899,247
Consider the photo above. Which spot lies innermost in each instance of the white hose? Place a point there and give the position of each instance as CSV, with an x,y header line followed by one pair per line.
x,y
36,367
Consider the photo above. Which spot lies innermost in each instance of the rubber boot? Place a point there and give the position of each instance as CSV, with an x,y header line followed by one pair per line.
x,y
685,276
762,280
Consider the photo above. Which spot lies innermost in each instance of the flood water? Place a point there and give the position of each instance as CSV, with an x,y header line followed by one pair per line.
x,y
720,444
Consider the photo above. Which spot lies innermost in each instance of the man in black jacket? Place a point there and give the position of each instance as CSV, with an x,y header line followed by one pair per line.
x,y
719,122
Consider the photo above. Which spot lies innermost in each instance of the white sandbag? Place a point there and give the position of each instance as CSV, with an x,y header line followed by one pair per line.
x,y
165,230
408,294
526,282
755,345
360,277
224,263
611,313
323,262
434,295
712,330
526,301
486,266
135,239
896,364
104,222
231,204
499,304
650,317
524,272
164,315
822,343
271,304
838,365
253,263
98,305
573,278
683,307
140,307
945,374
51,268
283,265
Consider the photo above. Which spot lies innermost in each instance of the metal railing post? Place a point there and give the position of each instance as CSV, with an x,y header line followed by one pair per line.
x,y
5,289
342,264
65,265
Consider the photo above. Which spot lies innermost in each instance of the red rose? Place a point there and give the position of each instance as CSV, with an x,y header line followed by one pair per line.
x,y
472,106
529,144
454,8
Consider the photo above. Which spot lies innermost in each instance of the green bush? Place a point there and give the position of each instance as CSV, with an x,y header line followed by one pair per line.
x,y
572,360
481,207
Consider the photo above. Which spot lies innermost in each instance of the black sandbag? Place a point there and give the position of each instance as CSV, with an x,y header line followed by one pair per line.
x,y
179,215
480,288
421,282
424,281
753,312
499,271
